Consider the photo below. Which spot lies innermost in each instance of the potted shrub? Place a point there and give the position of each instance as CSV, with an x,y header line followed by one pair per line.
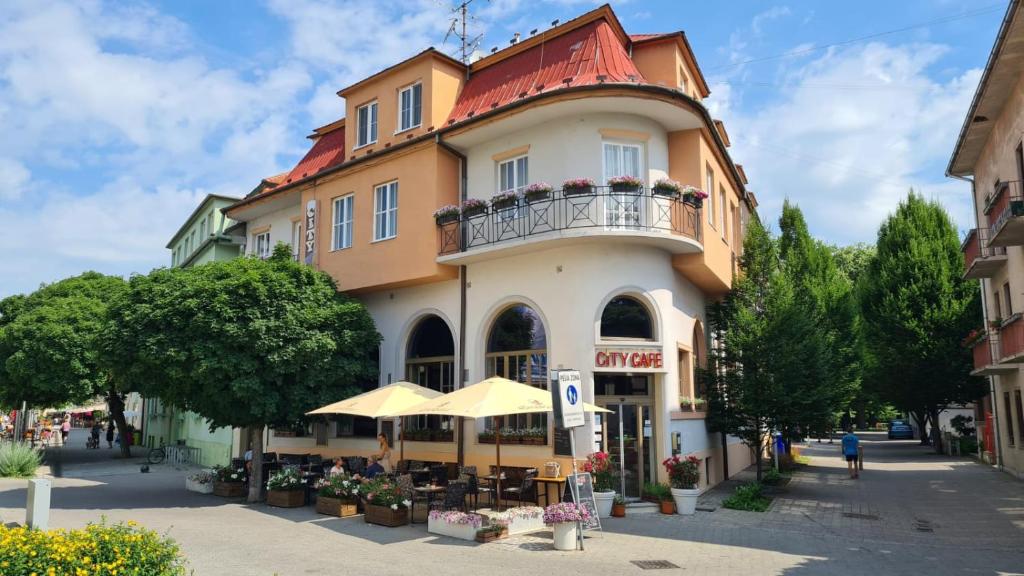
x,y
619,507
684,475
520,519
286,488
625,184
666,187
578,187
504,200
385,504
665,500
454,524
599,464
473,207
490,533
699,404
537,192
338,496
563,518
694,196
686,403
201,482
446,214
228,482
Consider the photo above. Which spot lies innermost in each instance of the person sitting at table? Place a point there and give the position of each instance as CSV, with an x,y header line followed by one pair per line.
x,y
374,468
337,470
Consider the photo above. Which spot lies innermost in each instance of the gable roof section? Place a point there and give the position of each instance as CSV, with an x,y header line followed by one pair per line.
x,y
431,52
684,45
209,199
327,151
591,54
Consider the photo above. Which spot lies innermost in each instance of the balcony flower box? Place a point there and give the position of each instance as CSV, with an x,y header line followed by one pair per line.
x,y
578,187
504,200
336,507
538,192
386,516
629,184
666,188
454,524
446,215
520,520
473,207
694,196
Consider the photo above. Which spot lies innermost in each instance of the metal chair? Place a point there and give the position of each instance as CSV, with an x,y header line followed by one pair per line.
x,y
455,497
439,475
526,487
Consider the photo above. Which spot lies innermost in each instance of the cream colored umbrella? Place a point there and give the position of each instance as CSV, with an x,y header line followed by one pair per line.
x,y
384,402
494,396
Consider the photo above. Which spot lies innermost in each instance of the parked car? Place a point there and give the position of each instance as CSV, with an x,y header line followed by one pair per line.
x,y
900,430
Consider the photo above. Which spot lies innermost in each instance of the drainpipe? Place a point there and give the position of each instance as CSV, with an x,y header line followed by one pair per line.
x,y
998,448
460,422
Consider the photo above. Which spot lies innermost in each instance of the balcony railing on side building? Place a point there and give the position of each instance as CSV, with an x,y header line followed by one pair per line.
x,y
976,249
1011,338
603,208
986,350
1006,201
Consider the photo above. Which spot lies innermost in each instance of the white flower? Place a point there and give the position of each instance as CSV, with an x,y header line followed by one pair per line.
x,y
394,506
234,475
345,482
406,503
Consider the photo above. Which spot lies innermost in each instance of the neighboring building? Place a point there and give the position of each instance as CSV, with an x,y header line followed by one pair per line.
x,y
613,283
990,154
203,238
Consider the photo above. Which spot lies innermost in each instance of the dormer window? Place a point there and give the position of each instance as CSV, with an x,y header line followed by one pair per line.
x,y
366,124
410,107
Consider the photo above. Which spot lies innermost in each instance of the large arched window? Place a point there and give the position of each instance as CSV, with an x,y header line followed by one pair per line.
x,y
430,362
626,317
517,349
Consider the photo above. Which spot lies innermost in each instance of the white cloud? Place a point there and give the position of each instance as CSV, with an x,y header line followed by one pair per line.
x,y
14,177
773,13
849,134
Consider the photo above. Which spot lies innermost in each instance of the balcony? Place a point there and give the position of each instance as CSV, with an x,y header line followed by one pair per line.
x,y
603,214
986,352
980,260
1005,211
1011,337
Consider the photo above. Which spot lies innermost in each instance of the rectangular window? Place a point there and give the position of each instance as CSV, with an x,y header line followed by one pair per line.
x,y
410,103
513,174
385,211
366,124
622,160
209,223
998,307
710,189
685,374
262,245
202,229
296,239
1009,417
1006,297
192,241
341,236
722,207
1020,414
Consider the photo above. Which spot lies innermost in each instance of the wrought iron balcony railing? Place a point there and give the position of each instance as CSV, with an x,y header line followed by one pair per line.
x,y
602,208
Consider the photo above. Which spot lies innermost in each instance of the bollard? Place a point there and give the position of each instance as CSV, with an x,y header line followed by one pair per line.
x,y
860,457
37,508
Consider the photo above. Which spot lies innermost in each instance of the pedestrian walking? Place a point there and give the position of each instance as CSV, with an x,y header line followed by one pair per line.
x,y
851,445
110,434
65,429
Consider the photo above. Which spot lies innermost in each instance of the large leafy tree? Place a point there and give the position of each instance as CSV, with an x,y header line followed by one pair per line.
x,y
246,343
49,346
917,309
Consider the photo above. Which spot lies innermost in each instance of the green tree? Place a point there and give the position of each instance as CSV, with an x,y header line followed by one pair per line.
x,y
917,309
245,343
49,346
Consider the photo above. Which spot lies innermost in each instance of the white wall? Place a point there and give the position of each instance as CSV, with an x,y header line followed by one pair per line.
x,y
280,223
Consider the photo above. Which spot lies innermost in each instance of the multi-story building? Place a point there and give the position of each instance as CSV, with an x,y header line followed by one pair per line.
x,y
610,280
990,154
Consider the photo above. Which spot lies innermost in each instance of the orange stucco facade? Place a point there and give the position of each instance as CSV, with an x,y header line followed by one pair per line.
x,y
663,63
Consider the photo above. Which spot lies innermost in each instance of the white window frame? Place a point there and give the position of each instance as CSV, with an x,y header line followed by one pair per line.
x,y
623,217
366,135
385,211
517,186
723,205
413,106
296,239
710,183
261,245
341,222
192,241
202,228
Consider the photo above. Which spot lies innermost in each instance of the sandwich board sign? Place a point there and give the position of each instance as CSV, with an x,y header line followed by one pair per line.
x,y
568,401
584,486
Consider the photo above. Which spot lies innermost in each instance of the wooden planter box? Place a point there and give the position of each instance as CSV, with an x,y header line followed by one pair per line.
x,y
286,498
335,507
228,489
385,516
485,537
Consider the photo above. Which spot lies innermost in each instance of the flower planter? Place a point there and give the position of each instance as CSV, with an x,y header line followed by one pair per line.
x,y
488,440
385,516
694,201
580,191
474,212
520,520
665,192
503,204
286,498
443,528
618,510
667,507
228,489
626,188
537,197
565,535
485,537
685,500
193,486
335,507
604,501
446,219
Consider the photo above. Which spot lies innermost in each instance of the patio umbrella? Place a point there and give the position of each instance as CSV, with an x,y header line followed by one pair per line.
x,y
384,402
494,396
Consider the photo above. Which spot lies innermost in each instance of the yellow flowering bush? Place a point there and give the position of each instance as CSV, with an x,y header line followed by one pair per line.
x,y
98,549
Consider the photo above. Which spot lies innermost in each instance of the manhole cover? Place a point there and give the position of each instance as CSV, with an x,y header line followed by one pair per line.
x,y
860,516
654,564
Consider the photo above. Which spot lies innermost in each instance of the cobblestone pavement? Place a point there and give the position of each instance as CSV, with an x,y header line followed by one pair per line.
x,y
910,512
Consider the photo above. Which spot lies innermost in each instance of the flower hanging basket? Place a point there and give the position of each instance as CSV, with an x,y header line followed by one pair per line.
x,y
336,507
286,498
385,516
228,489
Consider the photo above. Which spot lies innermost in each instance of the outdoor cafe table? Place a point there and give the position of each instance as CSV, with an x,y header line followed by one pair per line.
x,y
431,492
547,481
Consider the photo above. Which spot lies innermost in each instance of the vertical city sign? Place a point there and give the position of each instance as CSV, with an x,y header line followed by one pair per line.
x,y
310,230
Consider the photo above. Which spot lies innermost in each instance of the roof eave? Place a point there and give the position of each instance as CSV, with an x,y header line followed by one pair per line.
x,y
198,209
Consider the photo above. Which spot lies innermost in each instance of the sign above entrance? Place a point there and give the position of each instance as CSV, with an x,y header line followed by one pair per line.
x,y
629,359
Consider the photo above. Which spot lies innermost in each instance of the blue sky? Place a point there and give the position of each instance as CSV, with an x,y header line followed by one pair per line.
x,y
120,116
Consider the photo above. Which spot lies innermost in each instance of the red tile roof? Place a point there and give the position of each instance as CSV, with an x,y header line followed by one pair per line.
x,y
327,151
575,58
645,37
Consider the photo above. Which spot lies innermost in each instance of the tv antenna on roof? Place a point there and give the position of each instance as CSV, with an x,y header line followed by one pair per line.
x,y
460,20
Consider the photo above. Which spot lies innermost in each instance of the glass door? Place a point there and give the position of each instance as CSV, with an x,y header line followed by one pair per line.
x,y
627,437
622,209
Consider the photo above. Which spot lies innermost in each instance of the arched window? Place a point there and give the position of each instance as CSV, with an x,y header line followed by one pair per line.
x,y
430,362
517,350
626,317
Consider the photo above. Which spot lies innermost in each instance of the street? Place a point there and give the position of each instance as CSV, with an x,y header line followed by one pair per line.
x,y
910,512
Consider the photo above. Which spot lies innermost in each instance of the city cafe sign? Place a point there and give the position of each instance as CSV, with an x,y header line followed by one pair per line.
x,y
629,359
